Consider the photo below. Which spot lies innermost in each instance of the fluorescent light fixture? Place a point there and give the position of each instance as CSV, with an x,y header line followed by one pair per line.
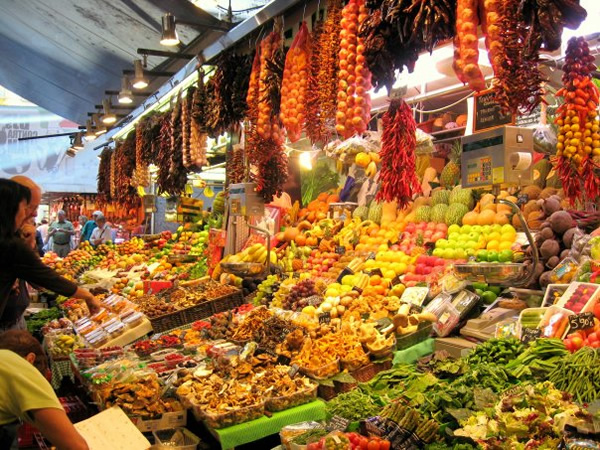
x,y
108,117
169,36
100,127
90,135
78,142
125,95
139,82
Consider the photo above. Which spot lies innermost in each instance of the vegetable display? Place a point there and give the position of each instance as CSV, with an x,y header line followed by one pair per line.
x,y
294,86
354,78
519,79
579,135
579,375
322,108
399,181
395,32
466,51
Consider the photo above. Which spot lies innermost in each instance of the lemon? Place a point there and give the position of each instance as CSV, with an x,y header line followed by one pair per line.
x,y
493,245
505,245
508,237
309,310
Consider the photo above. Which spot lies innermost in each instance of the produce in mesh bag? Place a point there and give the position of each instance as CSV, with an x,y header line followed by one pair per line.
x,y
294,86
354,104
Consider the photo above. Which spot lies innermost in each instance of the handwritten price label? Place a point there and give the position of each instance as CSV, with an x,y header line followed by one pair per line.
x,y
581,321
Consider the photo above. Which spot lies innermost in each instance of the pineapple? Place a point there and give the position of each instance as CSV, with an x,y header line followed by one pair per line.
x,y
450,176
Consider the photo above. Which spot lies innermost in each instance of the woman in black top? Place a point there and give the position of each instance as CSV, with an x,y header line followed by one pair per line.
x,y
17,260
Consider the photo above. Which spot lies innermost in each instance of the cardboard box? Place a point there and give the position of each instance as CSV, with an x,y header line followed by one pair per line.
x,y
168,420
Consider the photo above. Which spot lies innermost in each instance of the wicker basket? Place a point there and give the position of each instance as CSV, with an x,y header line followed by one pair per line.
x,y
340,388
327,392
365,373
408,340
200,311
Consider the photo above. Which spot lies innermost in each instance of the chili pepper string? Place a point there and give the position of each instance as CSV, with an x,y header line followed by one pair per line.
x,y
398,175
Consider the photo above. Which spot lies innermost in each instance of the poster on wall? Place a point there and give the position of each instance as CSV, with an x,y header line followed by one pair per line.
x,y
43,160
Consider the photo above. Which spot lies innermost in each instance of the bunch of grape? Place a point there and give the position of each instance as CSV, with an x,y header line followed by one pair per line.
x,y
297,298
266,291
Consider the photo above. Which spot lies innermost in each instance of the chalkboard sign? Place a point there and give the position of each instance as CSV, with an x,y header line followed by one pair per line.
x,y
396,281
283,360
338,423
530,334
374,272
340,250
581,321
488,113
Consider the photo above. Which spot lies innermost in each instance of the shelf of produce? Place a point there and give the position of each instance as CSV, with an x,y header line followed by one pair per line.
x,y
412,354
254,430
131,335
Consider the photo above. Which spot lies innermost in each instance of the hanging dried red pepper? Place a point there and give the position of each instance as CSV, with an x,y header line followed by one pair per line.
x,y
398,176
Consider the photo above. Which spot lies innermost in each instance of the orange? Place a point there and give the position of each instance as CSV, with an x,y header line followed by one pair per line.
x,y
375,280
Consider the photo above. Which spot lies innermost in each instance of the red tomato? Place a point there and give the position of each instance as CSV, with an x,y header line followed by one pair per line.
x,y
313,446
597,310
592,337
364,443
595,344
373,445
577,341
384,445
354,437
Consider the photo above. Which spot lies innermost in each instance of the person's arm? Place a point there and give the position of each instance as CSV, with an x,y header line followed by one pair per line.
x,y
28,266
56,426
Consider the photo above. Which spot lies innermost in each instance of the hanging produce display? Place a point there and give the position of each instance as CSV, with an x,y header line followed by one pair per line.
x,y
125,191
269,88
103,177
235,167
227,91
354,78
141,174
395,32
519,79
172,174
321,113
399,181
294,86
466,45
313,107
579,135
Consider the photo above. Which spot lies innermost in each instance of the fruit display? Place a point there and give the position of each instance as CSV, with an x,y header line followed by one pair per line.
x,y
60,345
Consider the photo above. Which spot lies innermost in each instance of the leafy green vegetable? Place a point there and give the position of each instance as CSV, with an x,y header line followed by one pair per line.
x,y
354,405
318,180
38,320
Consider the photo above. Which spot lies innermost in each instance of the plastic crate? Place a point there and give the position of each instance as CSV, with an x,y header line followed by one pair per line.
x,y
176,438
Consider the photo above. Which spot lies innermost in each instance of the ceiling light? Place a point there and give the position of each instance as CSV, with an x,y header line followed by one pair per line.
x,y
169,36
125,95
78,142
108,117
90,135
100,127
139,82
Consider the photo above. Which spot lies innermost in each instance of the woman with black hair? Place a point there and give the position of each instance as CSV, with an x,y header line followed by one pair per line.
x,y
18,260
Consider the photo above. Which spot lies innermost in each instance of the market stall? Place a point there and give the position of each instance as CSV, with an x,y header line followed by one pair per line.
x,y
428,280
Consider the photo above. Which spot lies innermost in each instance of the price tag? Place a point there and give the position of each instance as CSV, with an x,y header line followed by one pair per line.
x,y
343,273
357,289
522,199
283,360
269,351
396,281
325,317
371,255
340,250
581,321
338,423
314,300
415,309
376,272
294,370
296,275
530,334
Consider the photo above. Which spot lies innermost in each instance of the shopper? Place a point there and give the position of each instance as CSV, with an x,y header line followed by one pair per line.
x,y
17,260
43,229
61,232
89,226
102,233
36,195
78,229
27,396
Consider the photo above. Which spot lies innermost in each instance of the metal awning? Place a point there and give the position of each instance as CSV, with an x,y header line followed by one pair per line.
x,y
63,54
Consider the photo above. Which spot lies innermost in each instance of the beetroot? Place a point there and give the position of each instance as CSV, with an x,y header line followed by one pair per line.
x,y
561,221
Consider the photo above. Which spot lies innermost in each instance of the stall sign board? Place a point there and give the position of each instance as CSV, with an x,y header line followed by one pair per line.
x,y
488,113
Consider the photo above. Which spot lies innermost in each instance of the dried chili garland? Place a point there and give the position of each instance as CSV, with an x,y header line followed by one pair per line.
x,y
519,79
398,177
104,169
313,106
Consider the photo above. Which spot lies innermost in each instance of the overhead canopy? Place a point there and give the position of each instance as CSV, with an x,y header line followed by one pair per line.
x,y
63,54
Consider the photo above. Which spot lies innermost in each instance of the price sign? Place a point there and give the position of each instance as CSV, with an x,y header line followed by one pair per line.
x,y
376,272
488,113
283,360
357,289
396,281
530,334
522,199
294,370
296,275
340,250
581,321
325,318
314,300
338,423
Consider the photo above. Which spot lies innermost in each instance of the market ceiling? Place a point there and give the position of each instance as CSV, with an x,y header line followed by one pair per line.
x,y
63,54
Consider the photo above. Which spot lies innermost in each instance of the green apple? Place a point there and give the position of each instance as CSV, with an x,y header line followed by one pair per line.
x,y
453,236
439,252
460,254
466,229
482,255
505,256
454,228
449,253
492,256
497,228
463,238
442,243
